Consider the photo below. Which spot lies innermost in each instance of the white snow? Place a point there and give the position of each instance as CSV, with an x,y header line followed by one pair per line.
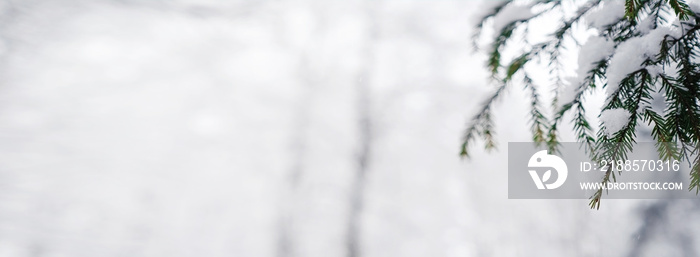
x,y
630,54
646,25
654,70
694,5
614,119
511,13
485,8
607,13
594,50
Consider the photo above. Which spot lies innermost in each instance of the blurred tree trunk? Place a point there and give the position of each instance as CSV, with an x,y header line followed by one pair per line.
x,y
364,122
298,147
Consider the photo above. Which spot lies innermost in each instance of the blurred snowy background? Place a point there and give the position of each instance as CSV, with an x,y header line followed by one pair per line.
x,y
273,128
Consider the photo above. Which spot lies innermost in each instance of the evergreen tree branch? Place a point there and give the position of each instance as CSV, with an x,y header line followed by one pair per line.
x,y
538,122
673,72
617,145
482,125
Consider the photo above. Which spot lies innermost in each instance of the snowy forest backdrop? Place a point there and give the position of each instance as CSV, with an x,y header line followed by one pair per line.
x,y
271,128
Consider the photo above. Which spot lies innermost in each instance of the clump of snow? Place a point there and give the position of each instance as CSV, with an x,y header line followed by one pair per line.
x,y
511,13
614,120
647,24
593,51
607,13
654,70
630,54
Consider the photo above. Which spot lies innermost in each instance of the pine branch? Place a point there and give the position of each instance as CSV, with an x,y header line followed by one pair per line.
x,y
673,72
682,9
538,122
480,24
621,142
631,7
695,176
666,146
494,60
482,125
582,127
